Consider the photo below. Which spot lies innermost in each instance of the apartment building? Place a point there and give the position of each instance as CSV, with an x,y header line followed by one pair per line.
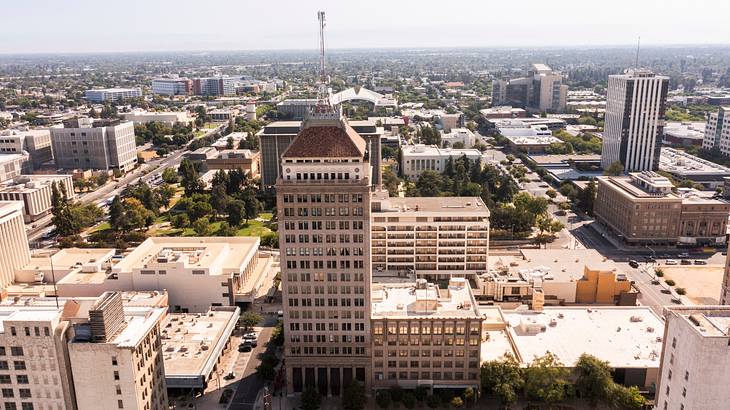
x,y
634,127
37,143
441,237
426,336
116,356
35,372
35,192
643,208
419,157
276,137
14,252
172,86
88,144
112,94
717,131
323,201
695,359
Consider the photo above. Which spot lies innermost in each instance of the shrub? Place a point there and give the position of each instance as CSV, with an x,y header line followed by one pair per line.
x,y
396,393
659,273
433,401
669,282
457,402
421,393
409,400
382,398
680,291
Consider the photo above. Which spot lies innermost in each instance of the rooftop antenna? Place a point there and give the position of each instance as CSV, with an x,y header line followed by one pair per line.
x,y
323,109
638,46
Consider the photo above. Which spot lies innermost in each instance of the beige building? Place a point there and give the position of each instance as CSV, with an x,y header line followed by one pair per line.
x,y
426,336
440,237
643,208
95,144
14,252
323,201
695,360
166,117
244,159
35,192
37,143
12,165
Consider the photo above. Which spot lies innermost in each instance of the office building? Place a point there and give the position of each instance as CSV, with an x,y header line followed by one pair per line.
x,y
276,137
116,355
112,94
461,136
244,159
686,167
643,209
37,143
14,252
215,86
684,134
424,336
95,144
35,192
717,131
634,120
419,157
170,118
172,86
435,238
504,111
450,121
542,90
295,109
13,165
695,361
323,201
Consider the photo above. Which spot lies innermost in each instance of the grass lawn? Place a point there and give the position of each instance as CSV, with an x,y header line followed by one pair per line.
x,y
101,227
254,228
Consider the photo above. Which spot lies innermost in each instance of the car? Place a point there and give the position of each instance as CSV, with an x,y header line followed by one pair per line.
x,y
634,264
246,347
561,212
683,255
230,376
280,314
671,262
685,262
250,335
700,262
677,300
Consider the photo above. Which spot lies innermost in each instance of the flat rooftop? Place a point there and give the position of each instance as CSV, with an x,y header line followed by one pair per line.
x,y
423,299
680,163
708,321
432,150
550,265
625,337
555,159
219,255
192,343
450,204
8,207
27,313
71,258
533,139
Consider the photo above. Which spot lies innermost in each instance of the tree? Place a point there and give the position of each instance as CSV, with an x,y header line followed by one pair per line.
x,y
229,143
429,183
469,395
201,226
587,197
546,380
190,177
226,230
615,169
353,397
457,402
116,214
382,399
627,397
236,212
593,380
251,205
219,199
250,319
311,399
61,210
136,215
551,193
502,378
169,176
180,221
408,400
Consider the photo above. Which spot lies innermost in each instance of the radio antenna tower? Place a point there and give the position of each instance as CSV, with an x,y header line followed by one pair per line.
x,y
324,108
638,46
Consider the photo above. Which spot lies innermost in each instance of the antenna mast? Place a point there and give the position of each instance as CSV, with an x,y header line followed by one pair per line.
x,y
324,108
638,45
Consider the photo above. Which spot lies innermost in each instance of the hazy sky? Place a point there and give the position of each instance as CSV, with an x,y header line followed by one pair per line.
x,y
30,26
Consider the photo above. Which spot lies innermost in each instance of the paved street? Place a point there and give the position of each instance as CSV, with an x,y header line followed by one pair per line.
x,y
249,385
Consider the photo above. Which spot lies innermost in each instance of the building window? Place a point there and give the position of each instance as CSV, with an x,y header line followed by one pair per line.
x,y
16,350
119,390
19,365
116,375
11,406
4,365
120,404
114,361
24,393
26,406
8,393
22,379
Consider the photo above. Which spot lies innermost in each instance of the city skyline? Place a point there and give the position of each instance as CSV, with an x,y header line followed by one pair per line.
x,y
149,27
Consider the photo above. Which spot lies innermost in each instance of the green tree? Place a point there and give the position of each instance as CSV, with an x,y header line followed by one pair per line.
x,y
201,226
219,199
546,379
429,183
311,399
502,378
615,169
587,197
236,212
250,319
629,398
169,176
61,211
457,402
189,176
593,380
116,214
226,230
353,397
180,221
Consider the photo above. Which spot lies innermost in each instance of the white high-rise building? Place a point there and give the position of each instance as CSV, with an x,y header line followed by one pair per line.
x,y
14,252
717,131
634,120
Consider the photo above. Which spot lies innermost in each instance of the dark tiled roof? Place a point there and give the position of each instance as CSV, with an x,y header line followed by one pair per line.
x,y
331,141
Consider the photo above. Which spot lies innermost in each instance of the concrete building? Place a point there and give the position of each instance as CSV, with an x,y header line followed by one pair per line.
x,y
196,272
223,114
14,252
112,94
235,137
12,165
683,166
419,157
717,131
215,86
426,336
450,121
295,109
166,117
542,90
695,360
116,355
440,237
504,111
88,144
172,86
276,137
35,192
192,346
634,120
323,201
684,134
463,136
244,159
37,143
643,209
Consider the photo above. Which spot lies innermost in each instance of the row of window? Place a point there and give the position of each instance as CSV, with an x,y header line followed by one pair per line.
x,y
356,264
425,364
35,331
426,327
330,290
425,376
330,302
328,211
330,314
317,198
321,276
441,352
327,350
326,225
331,251
329,238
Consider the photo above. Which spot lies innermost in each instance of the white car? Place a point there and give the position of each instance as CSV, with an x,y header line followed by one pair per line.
x,y
671,262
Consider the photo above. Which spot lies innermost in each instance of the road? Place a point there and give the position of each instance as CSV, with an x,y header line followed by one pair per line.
x,y
248,387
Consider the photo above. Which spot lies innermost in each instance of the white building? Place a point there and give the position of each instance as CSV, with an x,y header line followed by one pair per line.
x,y
165,117
172,86
12,165
88,144
634,120
417,158
717,131
14,252
35,191
37,143
459,135
695,364
112,94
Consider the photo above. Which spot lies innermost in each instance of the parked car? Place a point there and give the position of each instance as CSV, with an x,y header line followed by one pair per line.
x,y
671,262
230,376
245,347
685,262
700,262
634,264
250,335
683,255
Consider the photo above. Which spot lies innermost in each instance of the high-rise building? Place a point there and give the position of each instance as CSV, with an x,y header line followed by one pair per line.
x,y
634,120
101,144
695,362
215,86
37,143
112,94
172,86
717,131
542,90
323,200
14,252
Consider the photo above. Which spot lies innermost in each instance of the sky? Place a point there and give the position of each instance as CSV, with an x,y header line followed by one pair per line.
x,y
75,26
